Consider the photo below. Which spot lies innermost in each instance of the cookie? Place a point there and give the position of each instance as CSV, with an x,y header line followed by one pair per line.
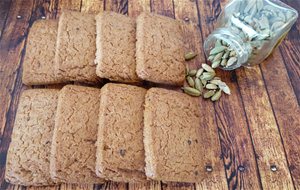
x,y
73,151
172,136
28,155
120,149
115,55
76,47
38,66
160,49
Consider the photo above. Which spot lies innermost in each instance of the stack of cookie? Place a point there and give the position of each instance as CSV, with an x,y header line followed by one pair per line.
x,y
87,48
123,133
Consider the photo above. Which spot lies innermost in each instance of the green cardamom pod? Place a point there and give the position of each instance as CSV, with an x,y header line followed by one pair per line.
x,y
198,85
211,58
189,56
192,73
216,96
217,50
226,55
199,72
211,86
218,56
191,91
231,61
190,81
204,82
218,43
216,64
232,54
209,94
208,68
207,76
224,62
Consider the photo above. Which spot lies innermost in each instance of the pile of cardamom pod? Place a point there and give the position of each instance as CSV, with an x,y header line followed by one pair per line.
x,y
204,82
222,55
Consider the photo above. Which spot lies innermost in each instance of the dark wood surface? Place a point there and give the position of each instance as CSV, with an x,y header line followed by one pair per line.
x,y
245,134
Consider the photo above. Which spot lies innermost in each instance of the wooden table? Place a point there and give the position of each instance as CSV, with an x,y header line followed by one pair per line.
x,y
253,136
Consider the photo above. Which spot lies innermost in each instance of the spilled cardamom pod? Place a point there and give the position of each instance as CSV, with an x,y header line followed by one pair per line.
x,y
192,73
216,96
189,56
207,68
191,91
209,94
198,85
211,86
190,81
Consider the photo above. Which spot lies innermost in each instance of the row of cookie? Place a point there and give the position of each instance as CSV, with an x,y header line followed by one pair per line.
x,y
85,135
124,49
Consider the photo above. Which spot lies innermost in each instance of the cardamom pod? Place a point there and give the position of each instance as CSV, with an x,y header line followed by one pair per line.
x,y
189,56
216,64
207,76
217,50
208,68
215,81
204,82
211,86
198,85
231,61
199,72
218,56
191,91
192,73
211,58
223,86
224,62
216,96
187,70
190,81
226,55
218,43
209,94
232,54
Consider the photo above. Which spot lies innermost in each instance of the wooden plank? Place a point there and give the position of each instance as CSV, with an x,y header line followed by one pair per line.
x,y
290,50
11,52
286,109
114,186
72,187
74,5
163,7
266,138
119,6
153,185
135,7
211,144
237,149
4,9
56,187
178,186
92,6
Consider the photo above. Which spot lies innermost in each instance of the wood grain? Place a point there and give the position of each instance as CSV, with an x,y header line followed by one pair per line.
x,y
263,127
153,185
135,7
211,144
4,9
92,6
290,51
286,109
163,7
119,6
237,148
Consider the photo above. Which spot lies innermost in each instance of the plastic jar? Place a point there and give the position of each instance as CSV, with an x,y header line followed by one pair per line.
x,y
247,32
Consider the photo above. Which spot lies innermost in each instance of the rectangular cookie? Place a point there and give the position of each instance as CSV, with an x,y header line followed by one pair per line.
x,y
120,149
76,47
172,136
38,66
73,151
159,49
28,155
115,55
